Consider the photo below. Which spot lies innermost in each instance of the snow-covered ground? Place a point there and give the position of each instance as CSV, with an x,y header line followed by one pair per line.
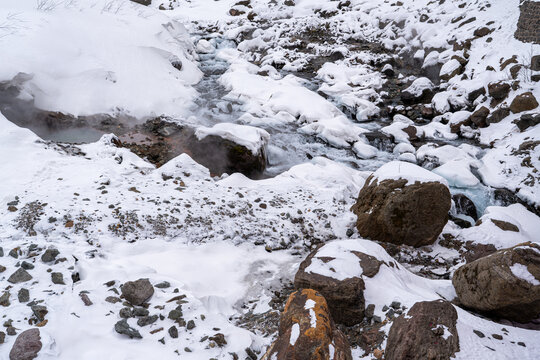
x,y
305,80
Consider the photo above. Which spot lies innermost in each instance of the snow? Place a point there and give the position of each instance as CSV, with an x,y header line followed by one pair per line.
x,y
310,305
520,271
449,67
396,170
73,71
295,333
253,138
418,86
218,244
488,233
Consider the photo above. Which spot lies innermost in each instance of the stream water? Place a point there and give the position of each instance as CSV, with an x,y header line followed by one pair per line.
x,y
287,146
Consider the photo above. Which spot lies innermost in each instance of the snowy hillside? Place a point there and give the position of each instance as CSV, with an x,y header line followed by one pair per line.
x,y
269,179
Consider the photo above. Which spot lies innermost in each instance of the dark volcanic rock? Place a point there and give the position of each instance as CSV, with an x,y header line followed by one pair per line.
x,y
505,284
137,292
427,332
26,346
400,213
301,338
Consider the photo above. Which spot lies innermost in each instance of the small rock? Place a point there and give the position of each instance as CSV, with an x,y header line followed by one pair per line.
x,y
497,336
219,339
499,90
11,331
39,311
19,276
26,265
190,325
147,320
137,292
526,121
173,332
23,295
85,299
57,278
370,310
497,115
2,337
140,311
14,253
481,32
175,314
4,299
26,346
112,299
479,334
479,117
125,313
163,285
50,255
122,327
2,269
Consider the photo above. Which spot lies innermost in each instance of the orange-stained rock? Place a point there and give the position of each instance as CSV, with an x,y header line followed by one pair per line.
x,y
307,331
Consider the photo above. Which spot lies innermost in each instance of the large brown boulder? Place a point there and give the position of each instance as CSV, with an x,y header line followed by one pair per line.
x,y
345,297
26,346
409,209
505,284
427,332
523,102
307,332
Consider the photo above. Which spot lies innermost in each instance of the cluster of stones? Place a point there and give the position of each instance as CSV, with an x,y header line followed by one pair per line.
x,y
403,214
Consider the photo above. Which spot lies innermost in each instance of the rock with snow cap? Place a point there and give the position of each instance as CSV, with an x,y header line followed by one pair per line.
x,y
238,148
344,296
307,331
402,203
421,89
505,284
